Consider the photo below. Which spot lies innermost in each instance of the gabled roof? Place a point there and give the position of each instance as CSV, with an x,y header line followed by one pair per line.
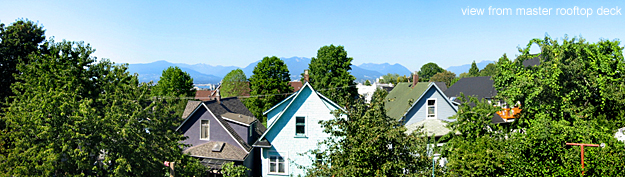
x,y
480,87
205,95
441,86
289,101
398,100
296,85
191,107
218,108
431,86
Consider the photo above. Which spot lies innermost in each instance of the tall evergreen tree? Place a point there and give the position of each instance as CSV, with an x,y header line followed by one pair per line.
x,y
269,85
329,74
474,71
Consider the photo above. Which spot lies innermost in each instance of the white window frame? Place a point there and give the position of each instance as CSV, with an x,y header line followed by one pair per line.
x,y
427,109
208,129
285,162
305,127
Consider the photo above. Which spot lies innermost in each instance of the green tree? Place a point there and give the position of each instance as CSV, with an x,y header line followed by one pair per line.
x,y
229,169
17,41
474,71
428,70
269,85
352,152
234,84
174,83
489,70
572,96
389,78
368,83
72,116
446,76
329,74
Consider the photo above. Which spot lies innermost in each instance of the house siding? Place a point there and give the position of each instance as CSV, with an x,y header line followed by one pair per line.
x,y
282,134
217,133
418,113
242,130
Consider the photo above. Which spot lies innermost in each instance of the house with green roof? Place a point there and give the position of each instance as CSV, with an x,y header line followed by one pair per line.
x,y
421,104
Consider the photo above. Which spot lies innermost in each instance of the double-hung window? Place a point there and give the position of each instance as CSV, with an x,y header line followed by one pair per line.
x,y
277,165
205,129
300,126
431,108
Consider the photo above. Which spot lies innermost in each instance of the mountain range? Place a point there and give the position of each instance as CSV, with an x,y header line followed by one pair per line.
x,y
208,74
465,68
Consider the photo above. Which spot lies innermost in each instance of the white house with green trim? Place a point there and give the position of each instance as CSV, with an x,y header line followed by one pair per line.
x,y
293,129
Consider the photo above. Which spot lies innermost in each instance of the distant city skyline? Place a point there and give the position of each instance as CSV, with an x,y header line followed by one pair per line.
x,y
226,33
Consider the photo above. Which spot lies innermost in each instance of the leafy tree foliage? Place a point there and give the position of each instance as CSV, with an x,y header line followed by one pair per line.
x,y
393,78
329,73
489,70
73,116
229,169
173,83
571,96
447,76
17,41
234,84
428,70
368,83
269,85
353,150
474,70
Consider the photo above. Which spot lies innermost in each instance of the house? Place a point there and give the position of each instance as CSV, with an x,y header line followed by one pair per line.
x,y
296,85
293,129
205,95
432,110
367,91
221,131
482,88
404,94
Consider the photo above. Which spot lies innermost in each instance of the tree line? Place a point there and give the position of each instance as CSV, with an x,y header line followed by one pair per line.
x,y
67,113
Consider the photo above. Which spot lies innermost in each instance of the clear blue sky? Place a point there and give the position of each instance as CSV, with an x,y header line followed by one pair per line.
x,y
410,32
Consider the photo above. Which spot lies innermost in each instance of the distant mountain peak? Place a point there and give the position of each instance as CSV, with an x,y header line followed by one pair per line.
x,y
465,68
208,74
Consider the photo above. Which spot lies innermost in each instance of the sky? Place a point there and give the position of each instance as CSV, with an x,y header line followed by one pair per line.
x,y
237,33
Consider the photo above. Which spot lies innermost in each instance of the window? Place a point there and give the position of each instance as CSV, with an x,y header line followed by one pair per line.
x,y
276,164
300,126
431,112
205,129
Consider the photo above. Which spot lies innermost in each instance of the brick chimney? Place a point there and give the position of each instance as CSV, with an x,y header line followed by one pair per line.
x,y
415,79
306,77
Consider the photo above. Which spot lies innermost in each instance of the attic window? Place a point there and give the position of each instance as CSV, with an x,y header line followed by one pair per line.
x,y
431,108
218,147
205,130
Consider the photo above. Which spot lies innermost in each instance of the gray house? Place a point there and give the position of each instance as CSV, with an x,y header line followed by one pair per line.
x,y
431,110
221,131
